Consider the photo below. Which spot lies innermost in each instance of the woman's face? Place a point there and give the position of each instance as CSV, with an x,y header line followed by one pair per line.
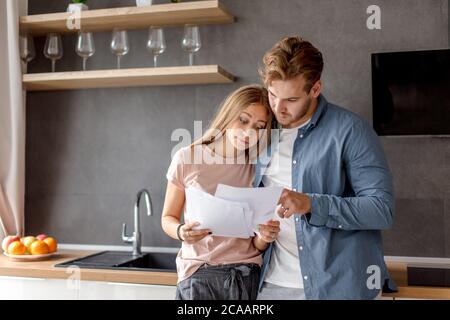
x,y
246,130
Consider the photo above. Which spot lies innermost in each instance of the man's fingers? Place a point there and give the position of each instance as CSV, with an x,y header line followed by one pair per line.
x,y
281,211
284,193
284,210
288,214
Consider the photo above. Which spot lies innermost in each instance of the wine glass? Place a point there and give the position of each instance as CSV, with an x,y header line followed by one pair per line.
x,y
85,47
119,44
53,49
191,41
156,43
26,46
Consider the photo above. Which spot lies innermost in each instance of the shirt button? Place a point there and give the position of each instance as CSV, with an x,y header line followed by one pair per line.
x,y
297,219
340,227
305,277
295,190
294,162
301,136
301,248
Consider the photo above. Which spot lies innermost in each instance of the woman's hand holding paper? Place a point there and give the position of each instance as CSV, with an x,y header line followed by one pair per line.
x,y
269,232
190,236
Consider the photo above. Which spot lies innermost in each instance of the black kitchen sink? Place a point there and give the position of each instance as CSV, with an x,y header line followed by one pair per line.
x,y
160,261
152,261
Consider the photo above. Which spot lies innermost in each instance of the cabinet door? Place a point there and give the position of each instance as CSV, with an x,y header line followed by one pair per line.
x,y
20,288
125,291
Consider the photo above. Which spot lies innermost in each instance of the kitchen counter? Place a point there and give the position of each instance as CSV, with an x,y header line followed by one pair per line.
x,y
46,269
398,272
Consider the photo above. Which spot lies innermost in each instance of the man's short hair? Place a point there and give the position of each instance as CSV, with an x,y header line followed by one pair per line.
x,y
289,58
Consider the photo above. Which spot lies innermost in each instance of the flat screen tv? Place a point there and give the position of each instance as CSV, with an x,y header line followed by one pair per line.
x,y
411,93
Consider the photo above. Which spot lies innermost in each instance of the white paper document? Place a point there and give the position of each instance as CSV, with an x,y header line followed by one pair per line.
x,y
232,212
262,201
224,218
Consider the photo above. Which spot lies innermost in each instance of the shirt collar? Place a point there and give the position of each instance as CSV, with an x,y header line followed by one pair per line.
x,y
321,109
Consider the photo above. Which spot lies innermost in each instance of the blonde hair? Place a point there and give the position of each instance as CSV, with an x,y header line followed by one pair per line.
x,y
289,58
231,108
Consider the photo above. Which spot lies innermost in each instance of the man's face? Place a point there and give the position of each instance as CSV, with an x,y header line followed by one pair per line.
x,y
290,103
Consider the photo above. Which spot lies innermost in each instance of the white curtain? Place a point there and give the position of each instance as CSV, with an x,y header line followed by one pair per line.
x,y
12,121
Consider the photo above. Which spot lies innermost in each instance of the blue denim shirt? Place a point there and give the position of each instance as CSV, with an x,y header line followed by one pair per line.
x,y
340,164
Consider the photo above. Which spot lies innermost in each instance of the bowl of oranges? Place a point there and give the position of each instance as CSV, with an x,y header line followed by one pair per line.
x,y
29,248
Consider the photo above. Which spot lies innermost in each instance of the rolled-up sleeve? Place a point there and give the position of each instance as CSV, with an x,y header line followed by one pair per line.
x,y
372,206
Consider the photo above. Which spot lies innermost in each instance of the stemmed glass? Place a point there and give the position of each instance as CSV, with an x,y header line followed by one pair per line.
x,y
53,49
26,46
119,44
85,46
156,43
191,41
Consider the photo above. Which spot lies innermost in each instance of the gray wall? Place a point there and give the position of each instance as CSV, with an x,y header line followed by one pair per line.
x,y
90,151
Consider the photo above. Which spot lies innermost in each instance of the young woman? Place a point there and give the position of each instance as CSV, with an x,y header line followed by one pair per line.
x,y
212,267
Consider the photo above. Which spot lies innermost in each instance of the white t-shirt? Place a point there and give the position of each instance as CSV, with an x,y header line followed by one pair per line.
x,y
284,267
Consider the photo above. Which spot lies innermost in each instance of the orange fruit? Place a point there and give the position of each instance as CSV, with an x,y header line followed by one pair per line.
x,y
52,244
16,248
39,247
27,241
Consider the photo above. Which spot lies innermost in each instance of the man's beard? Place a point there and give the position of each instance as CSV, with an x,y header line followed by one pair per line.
x,y
288,120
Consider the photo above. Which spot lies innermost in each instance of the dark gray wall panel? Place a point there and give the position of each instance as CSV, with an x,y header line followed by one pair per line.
x,y
90,151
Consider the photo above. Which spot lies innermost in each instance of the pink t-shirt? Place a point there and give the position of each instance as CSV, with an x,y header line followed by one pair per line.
x,y
186,170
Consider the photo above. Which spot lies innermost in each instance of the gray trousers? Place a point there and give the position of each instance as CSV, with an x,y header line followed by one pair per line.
x,y
224,282
271,291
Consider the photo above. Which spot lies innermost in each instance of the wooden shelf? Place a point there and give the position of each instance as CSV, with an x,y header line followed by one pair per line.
x,y
173,14
207,74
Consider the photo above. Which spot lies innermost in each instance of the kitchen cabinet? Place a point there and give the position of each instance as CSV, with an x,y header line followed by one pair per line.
x,y
22,288
97,290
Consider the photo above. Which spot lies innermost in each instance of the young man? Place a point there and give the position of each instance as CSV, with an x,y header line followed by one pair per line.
x,y
338,192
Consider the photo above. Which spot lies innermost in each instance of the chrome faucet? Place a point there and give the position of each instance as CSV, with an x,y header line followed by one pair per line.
x,y
136,238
